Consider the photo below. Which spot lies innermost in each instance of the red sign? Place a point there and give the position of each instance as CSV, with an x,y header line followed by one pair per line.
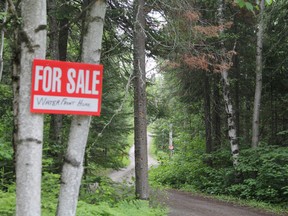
x,y
66,87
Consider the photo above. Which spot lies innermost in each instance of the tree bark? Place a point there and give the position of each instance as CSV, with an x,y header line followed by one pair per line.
x,y
258,87
2,40
216,114
140,109
54,38
207,110
73,162
232,135
15,86
237,93
63,39
30,136
53,28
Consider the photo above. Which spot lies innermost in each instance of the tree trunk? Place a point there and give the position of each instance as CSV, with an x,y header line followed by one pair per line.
x,y
247,116
207,92
237,94
140,110
53,29
216,114
2,40
232,135
63,39
30,136
258,87
15,85
73,162
56,120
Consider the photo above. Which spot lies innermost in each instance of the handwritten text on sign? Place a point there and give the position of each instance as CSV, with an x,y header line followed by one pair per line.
x,y
66,87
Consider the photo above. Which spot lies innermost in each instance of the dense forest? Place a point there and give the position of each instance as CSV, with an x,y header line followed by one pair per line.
x,y
216,101
212,115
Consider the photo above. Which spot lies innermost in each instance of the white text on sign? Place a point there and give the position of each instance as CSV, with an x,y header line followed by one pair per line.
x,y
78,81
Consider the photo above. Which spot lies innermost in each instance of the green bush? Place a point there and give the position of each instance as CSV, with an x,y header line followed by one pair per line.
x,y
124,208
7,202
50,191
106,191
265,173
262,173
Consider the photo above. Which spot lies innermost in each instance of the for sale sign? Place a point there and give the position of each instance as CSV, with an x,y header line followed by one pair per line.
x,y
66,87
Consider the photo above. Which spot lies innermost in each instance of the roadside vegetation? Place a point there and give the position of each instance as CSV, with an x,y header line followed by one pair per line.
x,y
103,198
259,180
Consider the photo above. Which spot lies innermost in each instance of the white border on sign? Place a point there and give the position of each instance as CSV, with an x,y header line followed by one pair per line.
x,y
63,103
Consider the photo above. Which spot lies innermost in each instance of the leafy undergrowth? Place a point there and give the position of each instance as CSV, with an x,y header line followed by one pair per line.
x,y
124,208
7,202
260,180
106,200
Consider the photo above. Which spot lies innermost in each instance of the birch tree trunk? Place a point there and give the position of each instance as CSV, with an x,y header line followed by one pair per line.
x,y
232,134
140,110
30,136
73,162
258,87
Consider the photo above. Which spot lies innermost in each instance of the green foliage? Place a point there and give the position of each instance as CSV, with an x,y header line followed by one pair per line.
x,y
262,174
108,135
243,3
183,167
50,191
6,152
124,208
104,190
6,149
249,6
7,201
107,200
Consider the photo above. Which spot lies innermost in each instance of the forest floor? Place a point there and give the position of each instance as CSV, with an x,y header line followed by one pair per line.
x,y
184,203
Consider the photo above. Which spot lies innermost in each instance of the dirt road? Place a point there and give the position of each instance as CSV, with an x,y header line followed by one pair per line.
x,y
186,204
127,174
183,203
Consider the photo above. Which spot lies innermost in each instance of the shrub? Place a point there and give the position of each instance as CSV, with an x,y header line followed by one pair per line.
x,y
262,173
7,202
